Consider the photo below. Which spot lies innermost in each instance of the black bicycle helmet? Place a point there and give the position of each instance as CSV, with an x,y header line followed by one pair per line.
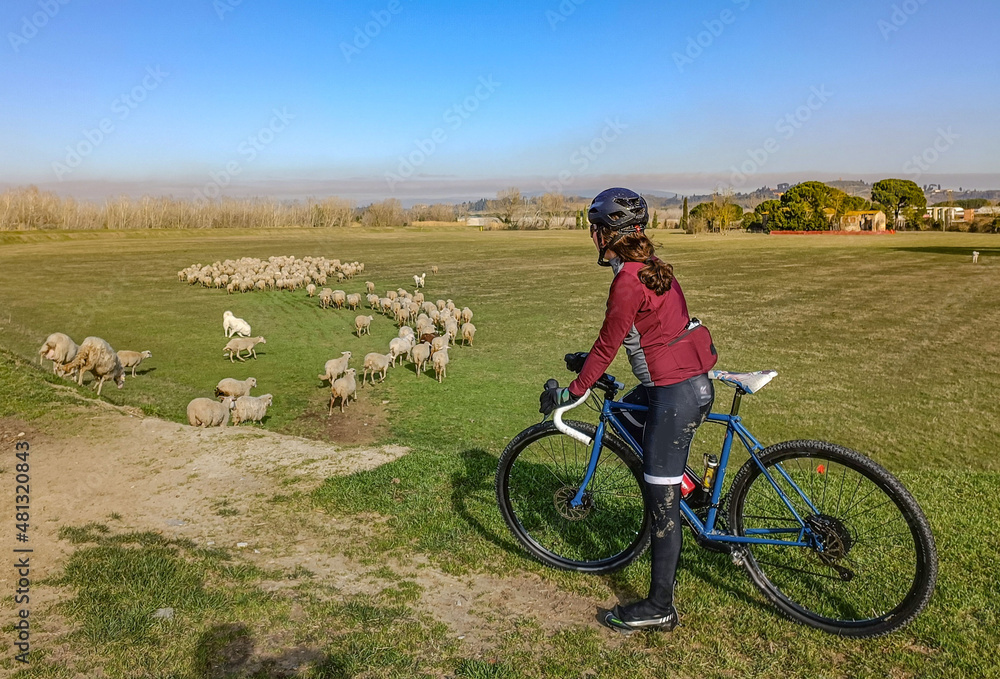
x,y
621,210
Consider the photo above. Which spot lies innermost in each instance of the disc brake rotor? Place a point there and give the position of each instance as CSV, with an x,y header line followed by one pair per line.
x,y
836,541
562,499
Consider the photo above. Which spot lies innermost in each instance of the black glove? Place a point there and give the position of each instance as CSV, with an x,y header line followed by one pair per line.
x,y
574,362
553,396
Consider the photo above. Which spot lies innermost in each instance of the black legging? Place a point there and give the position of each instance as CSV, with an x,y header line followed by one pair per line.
x,y
675,413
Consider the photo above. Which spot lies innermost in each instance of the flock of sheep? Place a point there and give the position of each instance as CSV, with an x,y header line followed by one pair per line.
x,y
426,329
426,332
94,355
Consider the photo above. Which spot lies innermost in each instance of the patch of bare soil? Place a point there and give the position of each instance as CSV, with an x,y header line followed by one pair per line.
x,y
361,424
213,485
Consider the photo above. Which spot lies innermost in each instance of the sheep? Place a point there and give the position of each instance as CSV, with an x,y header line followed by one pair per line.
x,y
406,331
440,360
235,388
402,316
419,355
418,298
251,408
204,412
439,343
132,359
385,304
339,298
353,301
237,345
449,305
311,290
451,330
96,356
336,367
376,363
325,298
440,304
428,307
369,287
392,294
372,301
468,333
466,315
344,389
418,281
399,346
363,325
434,269
59,349
233,325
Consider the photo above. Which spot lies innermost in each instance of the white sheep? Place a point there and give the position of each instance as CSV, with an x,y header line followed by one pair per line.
x,y
96,356
369,287
336,367
419,355
235,388
434,269
339,298
398,347
237,345
59,349
372,301
204,412
439,343
406,331
132,359
440,361
233,325
451,330
311,290
325,298
468,333
343,388
376,363
353,301
440,304
251,408
466,315
363,325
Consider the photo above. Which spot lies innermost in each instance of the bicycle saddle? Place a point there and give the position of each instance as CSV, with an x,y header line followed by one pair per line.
x,y
748,382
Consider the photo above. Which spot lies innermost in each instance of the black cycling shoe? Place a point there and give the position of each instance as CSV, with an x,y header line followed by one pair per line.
x,y
640,616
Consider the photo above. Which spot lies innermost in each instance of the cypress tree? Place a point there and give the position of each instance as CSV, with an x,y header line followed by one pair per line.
x,y
684,214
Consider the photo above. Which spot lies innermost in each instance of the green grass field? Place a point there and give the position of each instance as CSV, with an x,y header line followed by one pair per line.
x,y
884,344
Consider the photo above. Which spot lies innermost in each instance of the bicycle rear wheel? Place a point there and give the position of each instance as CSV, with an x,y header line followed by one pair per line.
x,y
541,470
874,564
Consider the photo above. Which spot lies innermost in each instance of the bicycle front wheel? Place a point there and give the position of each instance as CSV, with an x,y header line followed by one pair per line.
x,y
872,564
542,469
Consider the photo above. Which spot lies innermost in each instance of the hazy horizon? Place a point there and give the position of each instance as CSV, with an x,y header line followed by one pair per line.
x,y
388,98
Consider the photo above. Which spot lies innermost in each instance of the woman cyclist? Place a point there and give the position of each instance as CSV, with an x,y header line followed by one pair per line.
x,y
670,355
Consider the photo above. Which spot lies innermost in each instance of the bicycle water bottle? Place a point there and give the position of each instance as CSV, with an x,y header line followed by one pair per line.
x,y
711,466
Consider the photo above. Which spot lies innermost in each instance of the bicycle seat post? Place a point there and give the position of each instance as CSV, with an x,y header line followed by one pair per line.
x,y
737,398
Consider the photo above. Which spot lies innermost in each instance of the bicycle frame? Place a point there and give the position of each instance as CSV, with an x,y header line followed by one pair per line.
x,y
735,429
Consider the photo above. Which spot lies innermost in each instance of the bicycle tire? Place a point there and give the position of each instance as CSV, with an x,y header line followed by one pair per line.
x,y
540,470
861,585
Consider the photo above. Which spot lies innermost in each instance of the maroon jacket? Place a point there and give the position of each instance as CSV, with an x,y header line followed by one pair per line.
x,y
654,329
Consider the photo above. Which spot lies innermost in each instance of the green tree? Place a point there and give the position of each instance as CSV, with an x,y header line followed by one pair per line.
x,y
656,221
896,194
684,215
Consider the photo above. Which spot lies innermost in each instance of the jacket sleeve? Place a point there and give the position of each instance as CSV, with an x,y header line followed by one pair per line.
x,y
624,300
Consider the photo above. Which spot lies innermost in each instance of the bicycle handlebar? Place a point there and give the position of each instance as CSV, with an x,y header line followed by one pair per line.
x,y
606,383
565,428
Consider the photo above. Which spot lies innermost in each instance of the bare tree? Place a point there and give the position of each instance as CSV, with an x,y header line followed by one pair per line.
x,y
388,212
510,207
553,208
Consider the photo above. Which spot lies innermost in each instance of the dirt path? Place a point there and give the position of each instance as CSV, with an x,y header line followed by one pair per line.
x,y
211,486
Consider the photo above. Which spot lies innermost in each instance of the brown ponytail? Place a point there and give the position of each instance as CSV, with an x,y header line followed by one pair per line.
x,y
657,275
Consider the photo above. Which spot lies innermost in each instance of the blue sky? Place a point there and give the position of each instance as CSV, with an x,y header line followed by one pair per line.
x,y
461,98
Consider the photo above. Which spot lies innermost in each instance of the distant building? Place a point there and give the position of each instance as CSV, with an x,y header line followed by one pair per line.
x,y
950,214
784,187
863,220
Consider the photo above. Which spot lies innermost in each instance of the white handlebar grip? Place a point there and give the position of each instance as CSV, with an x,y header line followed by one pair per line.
x,y
565,428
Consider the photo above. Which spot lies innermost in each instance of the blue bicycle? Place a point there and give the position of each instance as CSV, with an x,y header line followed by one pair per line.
x,y
830,537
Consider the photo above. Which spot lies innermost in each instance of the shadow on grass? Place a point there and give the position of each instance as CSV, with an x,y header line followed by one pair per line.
x,y
468,485
226,651
955,251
